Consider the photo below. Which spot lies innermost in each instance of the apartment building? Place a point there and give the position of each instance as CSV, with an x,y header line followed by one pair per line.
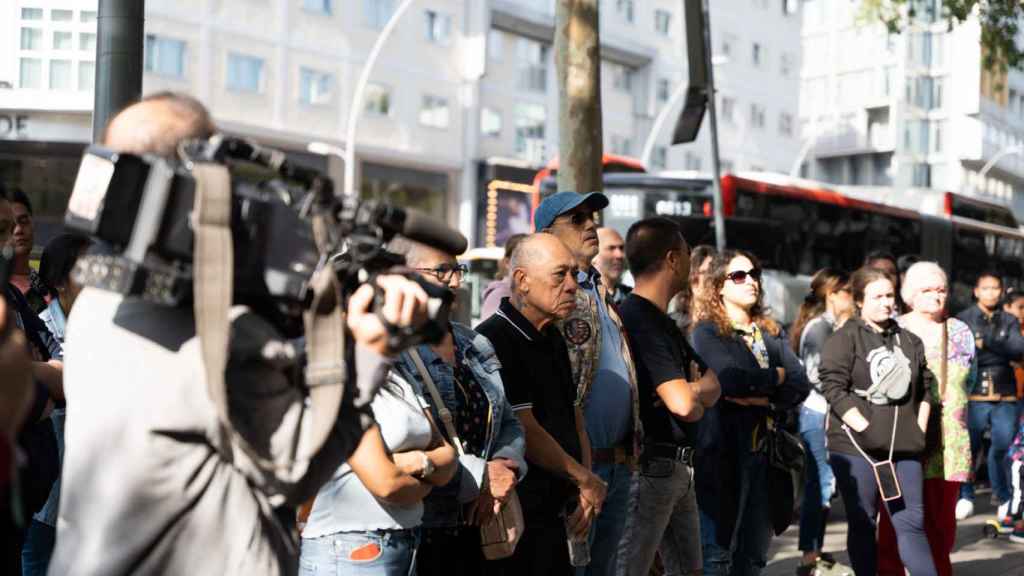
x,y
461,108
909,110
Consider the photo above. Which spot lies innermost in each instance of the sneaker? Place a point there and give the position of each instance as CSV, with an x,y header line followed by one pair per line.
x,y
1018,533
964,508
1006,525
1004,510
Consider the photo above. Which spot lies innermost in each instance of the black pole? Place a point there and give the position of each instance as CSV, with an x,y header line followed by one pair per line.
x,y
118,59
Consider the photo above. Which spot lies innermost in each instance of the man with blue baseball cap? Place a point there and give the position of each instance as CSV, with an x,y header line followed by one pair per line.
x,y
603,371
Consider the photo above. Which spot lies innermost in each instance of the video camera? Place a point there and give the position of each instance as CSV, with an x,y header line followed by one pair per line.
x,y
141,208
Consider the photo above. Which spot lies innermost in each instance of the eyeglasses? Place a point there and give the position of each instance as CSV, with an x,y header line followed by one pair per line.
x,y
579,218
740,276
444,272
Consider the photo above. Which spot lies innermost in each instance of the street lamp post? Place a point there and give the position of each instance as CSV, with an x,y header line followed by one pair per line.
x,y
1006,151
357,98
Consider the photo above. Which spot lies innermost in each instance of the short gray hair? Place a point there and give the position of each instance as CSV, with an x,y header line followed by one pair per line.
x,y
915,277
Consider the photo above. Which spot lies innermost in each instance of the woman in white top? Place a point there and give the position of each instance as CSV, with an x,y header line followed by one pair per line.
x,y
826,307
365,519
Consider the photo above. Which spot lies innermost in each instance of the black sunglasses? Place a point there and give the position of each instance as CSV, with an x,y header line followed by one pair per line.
x,y
740,276
444,272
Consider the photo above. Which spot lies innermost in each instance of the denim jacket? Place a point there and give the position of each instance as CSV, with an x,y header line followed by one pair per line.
x,y
505,438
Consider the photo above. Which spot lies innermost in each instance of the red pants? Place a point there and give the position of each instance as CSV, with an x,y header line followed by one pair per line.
x,y
940,499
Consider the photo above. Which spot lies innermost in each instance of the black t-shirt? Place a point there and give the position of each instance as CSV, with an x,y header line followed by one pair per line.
x,y
662,354
537,375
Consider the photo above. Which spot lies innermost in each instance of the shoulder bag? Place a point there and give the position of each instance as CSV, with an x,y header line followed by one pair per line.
x,y
499,536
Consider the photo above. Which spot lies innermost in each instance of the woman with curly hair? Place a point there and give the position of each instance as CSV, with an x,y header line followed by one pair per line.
x,y
759,374
826,307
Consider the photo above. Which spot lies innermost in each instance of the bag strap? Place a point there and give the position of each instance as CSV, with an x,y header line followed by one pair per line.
x,y
892,444
446,415
212,285
944,369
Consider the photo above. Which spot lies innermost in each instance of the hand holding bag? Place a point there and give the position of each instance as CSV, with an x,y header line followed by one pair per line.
x,y
499,536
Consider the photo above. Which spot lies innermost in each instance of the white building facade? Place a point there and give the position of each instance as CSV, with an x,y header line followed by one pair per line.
x,y
916,109
462,105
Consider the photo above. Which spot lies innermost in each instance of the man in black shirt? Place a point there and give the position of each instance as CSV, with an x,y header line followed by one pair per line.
x,y
673,395
538,382
993,398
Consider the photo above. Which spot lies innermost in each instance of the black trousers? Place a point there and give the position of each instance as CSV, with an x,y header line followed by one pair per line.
x,y
452,552
542,551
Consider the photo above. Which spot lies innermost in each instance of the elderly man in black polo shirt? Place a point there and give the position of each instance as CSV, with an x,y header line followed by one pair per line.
x,y
673,396
539,385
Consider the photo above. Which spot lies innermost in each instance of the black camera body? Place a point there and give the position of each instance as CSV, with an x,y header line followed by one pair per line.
x,y
141,209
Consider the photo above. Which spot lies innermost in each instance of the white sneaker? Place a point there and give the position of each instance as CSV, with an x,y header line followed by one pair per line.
x,y
964,508
1003,511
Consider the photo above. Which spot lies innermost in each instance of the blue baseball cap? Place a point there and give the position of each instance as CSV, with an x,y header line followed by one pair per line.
x,y
557,204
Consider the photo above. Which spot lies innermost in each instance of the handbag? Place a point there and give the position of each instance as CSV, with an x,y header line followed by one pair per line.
x,y
786,473
499,536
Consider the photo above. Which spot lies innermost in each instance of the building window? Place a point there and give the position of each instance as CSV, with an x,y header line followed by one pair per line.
x,y
621,145
785,64
439,27
377,12
87,16
377,98
662,21
659,157
86,75
756,115
87,42
664,90
31,39
533,65
728,40
318,6
165,56
786,124
245,73
30,73
728,109
626,9
530,121
60,74
31,13
757,54
61,15
62,40
495,45
622,77
490,122
315,87
692,161
434,111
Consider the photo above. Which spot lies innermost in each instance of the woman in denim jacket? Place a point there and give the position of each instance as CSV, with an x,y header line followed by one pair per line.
x,y
465,370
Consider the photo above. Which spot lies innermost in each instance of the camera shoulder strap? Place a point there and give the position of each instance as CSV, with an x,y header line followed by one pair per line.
x,y
446,415
213,278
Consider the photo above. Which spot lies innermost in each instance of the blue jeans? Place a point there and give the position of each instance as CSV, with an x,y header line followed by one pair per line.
x,y
818,489
742,504
38,549
1002,417
372,553
859,489
607,530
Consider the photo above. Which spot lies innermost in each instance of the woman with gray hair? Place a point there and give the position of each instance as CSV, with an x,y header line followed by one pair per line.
x,y
949,350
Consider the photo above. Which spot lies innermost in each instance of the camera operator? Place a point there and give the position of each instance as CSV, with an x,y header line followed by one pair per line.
x,y
151,483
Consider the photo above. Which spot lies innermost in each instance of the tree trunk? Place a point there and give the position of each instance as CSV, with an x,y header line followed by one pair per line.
x,y
578,66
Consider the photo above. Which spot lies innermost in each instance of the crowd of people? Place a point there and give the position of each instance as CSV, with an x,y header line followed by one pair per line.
x,y
604,429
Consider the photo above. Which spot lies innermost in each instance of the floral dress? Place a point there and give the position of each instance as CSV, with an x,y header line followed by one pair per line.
x,y
952,460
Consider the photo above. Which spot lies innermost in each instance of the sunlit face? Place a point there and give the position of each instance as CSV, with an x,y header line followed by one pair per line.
x,y
1016,308
23,229
930,297
437,267
611,255
988,291
577,229
548,283
879,301
742,286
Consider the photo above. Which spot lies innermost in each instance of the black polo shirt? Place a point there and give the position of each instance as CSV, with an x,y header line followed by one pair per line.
x,y
537,375
661,353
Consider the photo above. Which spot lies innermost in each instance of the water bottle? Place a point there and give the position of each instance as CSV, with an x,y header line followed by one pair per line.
x,y
579,549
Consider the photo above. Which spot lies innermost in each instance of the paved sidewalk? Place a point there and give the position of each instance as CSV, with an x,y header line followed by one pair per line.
x,y
973,554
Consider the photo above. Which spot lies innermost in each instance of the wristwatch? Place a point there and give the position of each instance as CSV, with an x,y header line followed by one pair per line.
x,y
428,466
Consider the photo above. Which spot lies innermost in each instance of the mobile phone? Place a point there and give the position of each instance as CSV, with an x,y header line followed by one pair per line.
x,y
888,483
